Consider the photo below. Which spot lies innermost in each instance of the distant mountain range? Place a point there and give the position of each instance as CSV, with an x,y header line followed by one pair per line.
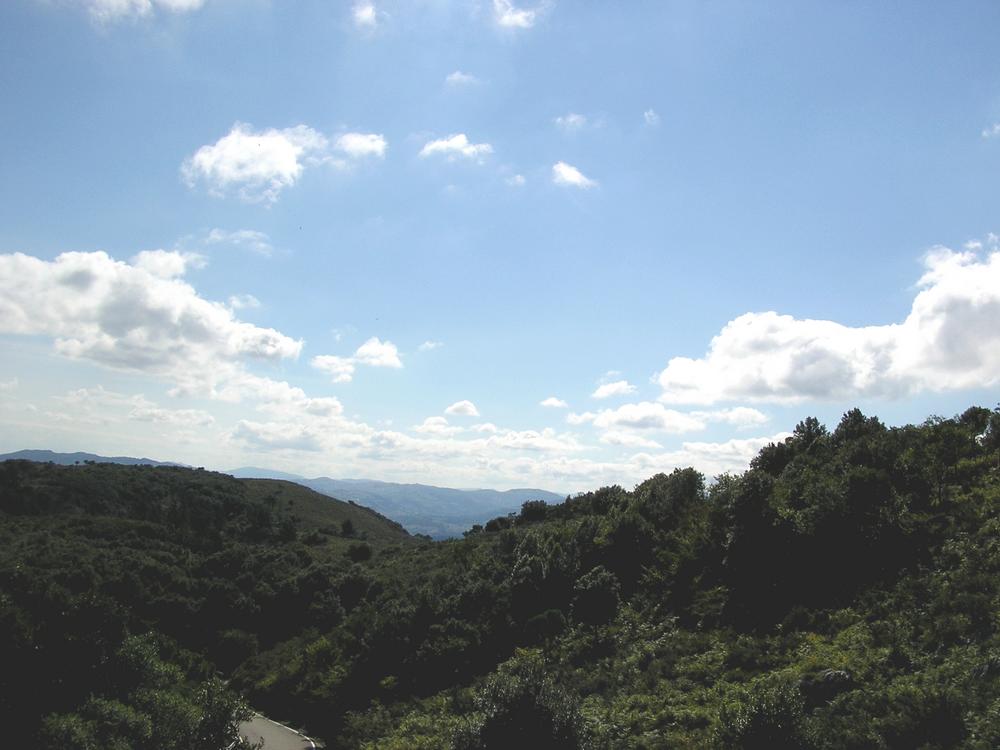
x,y
439,512
67,459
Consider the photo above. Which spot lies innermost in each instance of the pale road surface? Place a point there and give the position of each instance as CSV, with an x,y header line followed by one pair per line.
x,y
276,736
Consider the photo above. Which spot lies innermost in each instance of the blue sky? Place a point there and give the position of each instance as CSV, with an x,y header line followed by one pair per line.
x,y
304,234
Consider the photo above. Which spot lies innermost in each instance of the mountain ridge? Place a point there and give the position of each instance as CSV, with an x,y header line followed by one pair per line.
x,y
43,455
423,509
438,512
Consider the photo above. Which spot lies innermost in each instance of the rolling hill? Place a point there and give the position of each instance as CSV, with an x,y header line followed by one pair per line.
x,y
439,512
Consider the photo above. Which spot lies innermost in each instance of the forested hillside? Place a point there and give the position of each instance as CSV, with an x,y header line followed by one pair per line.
x,y
125,589
843,592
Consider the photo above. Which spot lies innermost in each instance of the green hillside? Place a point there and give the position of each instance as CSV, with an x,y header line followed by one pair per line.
x,y
843,592
204,569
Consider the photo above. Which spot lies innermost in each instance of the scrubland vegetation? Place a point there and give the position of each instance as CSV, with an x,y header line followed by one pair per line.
x,y
843,592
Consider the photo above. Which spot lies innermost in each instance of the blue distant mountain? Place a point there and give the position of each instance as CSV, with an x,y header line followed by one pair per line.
x,y
68,459
439,512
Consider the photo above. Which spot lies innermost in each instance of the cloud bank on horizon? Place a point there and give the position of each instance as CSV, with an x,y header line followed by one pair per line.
x,y
142,317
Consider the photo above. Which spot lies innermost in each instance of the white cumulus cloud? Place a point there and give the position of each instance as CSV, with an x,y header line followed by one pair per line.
x,y
360,145
257,165
166,264
436,426
569,176
463,408
378,353
949,340
457,145
374,353
140,317
340,369
554,403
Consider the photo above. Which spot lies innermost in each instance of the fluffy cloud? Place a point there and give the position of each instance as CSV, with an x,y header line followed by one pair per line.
x,y
516,180
257,166
569,176
278,397
554,403
458,78
511,17
992,131
374,353
437,426
571,121
429,346
949,340
455,146
463,408
139,317
651,118
166,264
617,388
378,353
360,145
106,11
340,369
